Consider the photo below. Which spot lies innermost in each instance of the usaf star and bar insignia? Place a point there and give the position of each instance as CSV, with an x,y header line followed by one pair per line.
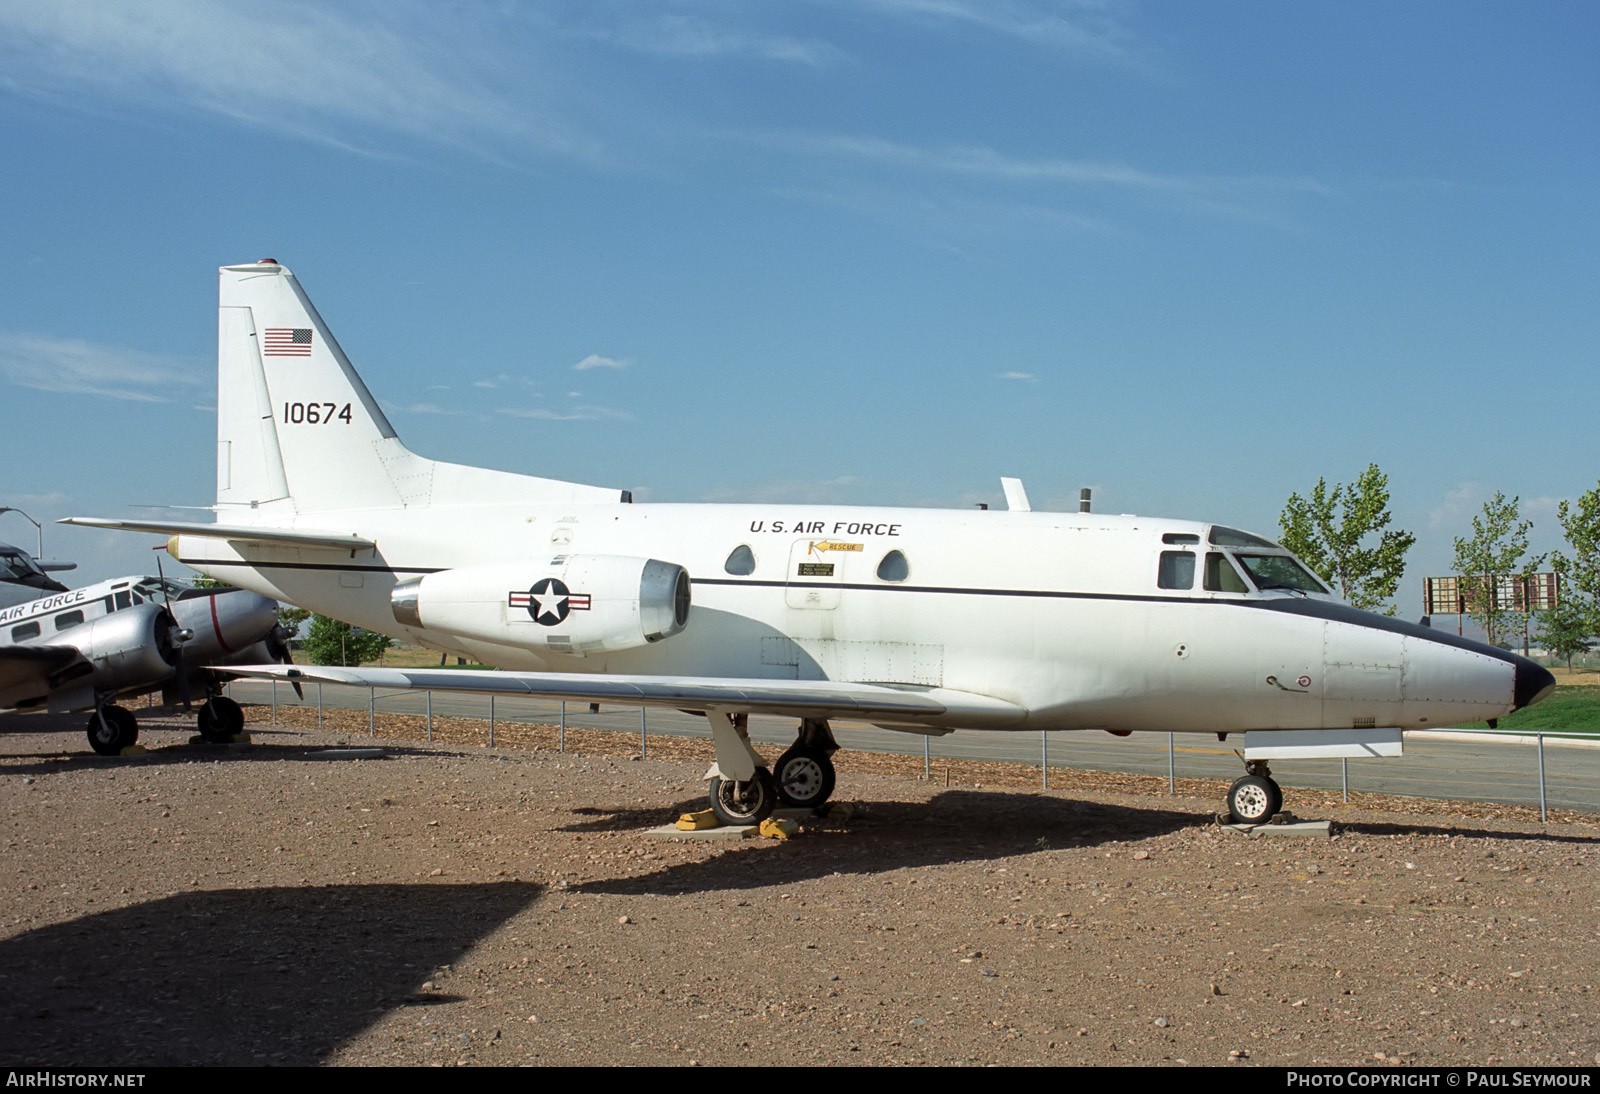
x,y
549,601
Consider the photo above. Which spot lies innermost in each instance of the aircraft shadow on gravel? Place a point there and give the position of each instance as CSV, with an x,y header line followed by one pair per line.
x,y
884,836
279,976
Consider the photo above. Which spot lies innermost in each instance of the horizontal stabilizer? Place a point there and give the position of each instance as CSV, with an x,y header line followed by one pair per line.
x,y
238,533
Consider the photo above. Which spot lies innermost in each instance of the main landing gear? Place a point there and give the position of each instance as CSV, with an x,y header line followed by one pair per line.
x,y
1255,798
802,778
112,729
220,719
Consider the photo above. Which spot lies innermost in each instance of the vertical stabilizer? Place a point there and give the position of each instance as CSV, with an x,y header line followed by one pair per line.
x,y
294,419
298,432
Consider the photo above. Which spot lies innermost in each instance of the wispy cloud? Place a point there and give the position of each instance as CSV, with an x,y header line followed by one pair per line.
x,y
574,414
595,360
336,74
692,36
76,367
800,492
1085,27
1025,377
973,160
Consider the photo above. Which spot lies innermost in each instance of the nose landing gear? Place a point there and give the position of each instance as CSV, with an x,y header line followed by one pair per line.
x,y
1255,798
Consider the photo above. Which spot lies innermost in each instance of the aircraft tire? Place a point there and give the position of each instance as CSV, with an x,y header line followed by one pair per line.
x,y
1254,799
117,731
744,803
220,719
805,778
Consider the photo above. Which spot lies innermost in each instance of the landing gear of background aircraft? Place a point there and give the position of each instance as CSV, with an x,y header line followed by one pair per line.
x,y
220,719
1254,799
751,802
112,729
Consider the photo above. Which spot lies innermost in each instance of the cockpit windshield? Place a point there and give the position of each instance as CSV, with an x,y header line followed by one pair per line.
x,y
1279,572
17,568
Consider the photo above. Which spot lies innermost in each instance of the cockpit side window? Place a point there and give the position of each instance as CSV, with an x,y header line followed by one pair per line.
x,y
1176,571
1221,577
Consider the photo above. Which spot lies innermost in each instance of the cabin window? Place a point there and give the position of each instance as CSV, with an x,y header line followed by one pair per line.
x,y
1180,537
24,632
124,599
894,567
741,561
68,619
1221,577
1177,570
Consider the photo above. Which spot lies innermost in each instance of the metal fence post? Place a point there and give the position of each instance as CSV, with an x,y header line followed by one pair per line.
x,y
429,695
372,712
927,765
274,701
1044,759
561,738
319,705
491,718
644,739
1172,767
1544,817
1344,777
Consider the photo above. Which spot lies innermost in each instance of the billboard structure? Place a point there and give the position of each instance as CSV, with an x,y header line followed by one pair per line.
x,y
1522,593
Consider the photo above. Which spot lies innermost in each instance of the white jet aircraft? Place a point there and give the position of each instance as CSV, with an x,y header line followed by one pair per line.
x,y
921,620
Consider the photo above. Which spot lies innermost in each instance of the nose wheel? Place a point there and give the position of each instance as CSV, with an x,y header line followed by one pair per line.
x,y
1255,798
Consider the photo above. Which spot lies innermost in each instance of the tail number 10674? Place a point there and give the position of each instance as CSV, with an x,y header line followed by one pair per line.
x,y
315,413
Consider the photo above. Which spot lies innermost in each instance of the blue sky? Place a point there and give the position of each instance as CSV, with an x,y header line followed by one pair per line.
x,y
1195,256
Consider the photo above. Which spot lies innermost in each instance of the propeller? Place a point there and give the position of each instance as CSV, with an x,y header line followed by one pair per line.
x,y
179,635
278,646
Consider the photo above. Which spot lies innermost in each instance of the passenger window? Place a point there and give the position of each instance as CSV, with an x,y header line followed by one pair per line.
x,y
1221,577
894,567
124,599
1177,570
24,632
68,619
741,561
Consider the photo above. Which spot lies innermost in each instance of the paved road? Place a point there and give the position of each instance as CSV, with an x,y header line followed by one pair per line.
x,y
1467,767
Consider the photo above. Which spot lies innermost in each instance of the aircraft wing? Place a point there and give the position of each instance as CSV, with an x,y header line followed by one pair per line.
x,y
241,533
891,703
21,666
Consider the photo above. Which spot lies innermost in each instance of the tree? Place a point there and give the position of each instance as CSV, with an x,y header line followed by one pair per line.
x,y
1565,629
330,642
1498,550
1580,572
1327,532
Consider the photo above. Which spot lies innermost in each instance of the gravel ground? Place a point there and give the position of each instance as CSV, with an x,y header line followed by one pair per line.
x,y
453,904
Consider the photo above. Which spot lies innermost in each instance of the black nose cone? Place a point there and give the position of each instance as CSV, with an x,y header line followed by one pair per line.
x,y
1533,682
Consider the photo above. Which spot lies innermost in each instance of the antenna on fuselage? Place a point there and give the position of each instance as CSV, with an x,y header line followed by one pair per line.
x,y
1016,496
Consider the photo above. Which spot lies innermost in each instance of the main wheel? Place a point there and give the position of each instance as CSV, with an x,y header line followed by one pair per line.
x,y
742,803
1254,800
805,778
220,719
111,730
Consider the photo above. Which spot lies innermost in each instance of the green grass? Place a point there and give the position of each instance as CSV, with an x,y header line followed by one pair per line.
x,y
1570,710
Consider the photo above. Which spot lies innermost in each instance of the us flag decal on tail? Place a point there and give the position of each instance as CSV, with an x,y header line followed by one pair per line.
x,y
287,342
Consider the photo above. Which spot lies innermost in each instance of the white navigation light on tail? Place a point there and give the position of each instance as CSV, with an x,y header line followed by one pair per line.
x,y
1080,621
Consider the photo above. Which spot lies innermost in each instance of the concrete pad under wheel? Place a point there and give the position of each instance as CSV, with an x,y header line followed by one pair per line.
x,y
1295,828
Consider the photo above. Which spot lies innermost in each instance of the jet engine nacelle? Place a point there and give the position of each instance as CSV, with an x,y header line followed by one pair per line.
x,y
122,651
572,604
